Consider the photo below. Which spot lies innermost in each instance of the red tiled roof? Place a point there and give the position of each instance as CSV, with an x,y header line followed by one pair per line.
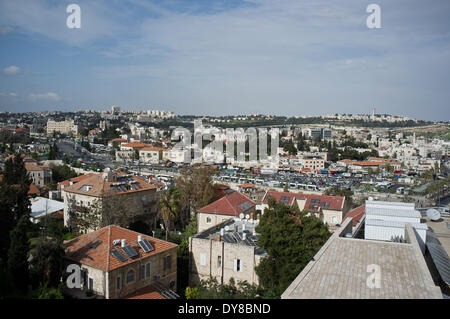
x,y
80,249
145,293
33,190
152,148
220,191
136,144
227,205
335,202
100,187
367,163
74,180
30,166
356,214
246,185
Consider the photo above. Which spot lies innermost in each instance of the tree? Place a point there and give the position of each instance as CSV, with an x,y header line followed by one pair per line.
x,y
211,289
62,172
18,254
110,209
290,238
47,262
14,200
196,190
169,203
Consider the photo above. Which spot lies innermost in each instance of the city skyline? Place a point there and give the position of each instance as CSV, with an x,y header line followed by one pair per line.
x,y
221,58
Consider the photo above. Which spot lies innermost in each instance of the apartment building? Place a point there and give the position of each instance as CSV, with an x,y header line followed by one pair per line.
x,y
39,174
227,250
141,196
64,127
232,205
151,155
313,162
118,263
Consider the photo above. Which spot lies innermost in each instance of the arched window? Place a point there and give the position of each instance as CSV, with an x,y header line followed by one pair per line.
x,y
130,276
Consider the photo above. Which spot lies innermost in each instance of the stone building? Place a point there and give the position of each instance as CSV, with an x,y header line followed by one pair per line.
x,y
330,209
115,264
229,206
224,251
64,127
39,174
140,196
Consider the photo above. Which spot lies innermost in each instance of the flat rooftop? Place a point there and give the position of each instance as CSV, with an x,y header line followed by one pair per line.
x,y
339,270
441,230
233,233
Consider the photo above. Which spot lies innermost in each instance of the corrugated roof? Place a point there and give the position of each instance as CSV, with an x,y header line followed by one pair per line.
x,y
439,256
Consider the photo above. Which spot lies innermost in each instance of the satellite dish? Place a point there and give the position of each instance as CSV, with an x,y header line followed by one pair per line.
x,y
433,214
247,216
227,228
241,215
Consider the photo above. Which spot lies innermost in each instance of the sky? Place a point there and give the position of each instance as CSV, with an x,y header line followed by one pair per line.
x,y
211,57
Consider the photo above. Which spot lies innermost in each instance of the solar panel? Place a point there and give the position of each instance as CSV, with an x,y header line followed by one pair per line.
x,y
146,246
96,244
129,251
118,255
245,205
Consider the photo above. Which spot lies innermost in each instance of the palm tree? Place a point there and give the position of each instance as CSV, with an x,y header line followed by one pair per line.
x,y
170,207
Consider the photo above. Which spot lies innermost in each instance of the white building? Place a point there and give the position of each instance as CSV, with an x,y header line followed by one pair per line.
x,y
386,221
63,127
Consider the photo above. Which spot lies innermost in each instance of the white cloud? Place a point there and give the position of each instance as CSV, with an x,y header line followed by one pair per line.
x,y
11,70
4,29
12,94
50,96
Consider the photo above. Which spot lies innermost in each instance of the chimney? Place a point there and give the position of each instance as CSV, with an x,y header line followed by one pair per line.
x,y
70,183
218,238
244,236
124,242
221,232
139,237
254,232
243,227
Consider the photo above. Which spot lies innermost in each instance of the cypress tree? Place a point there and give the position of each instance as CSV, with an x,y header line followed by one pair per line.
x,y
18,254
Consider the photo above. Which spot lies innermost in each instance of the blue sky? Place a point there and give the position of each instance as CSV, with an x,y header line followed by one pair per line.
x,y
283,57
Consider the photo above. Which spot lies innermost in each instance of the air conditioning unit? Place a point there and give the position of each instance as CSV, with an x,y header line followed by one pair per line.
x,y
116,241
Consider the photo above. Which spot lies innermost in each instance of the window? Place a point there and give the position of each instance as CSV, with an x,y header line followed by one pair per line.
x,y
130,276
208,220
238,265
203,259
167,262
219,261
147,270
142,272
91,283
119,283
